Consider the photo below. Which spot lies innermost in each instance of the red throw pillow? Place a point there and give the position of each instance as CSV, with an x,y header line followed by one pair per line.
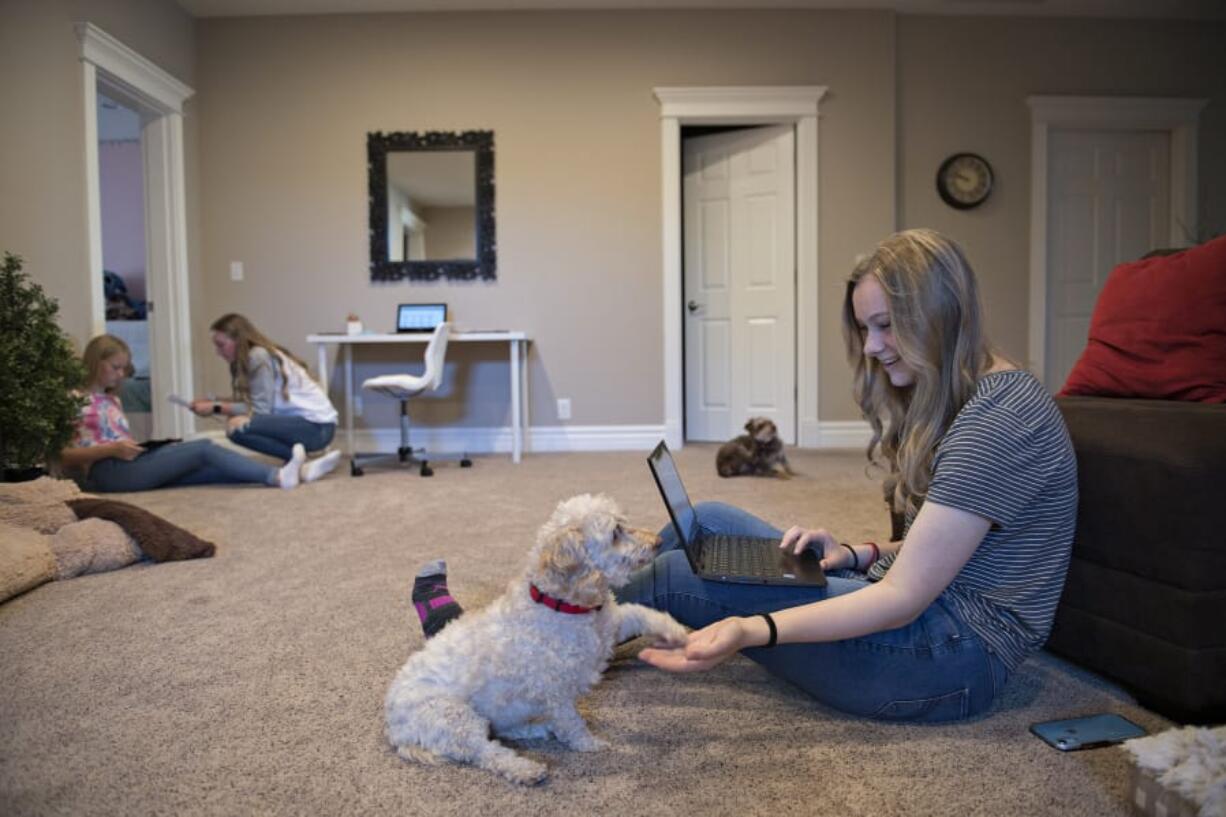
x,y
1159,330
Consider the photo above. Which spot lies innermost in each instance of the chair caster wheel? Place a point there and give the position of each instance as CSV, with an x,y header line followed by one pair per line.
x,y
426,470
354,470
466,463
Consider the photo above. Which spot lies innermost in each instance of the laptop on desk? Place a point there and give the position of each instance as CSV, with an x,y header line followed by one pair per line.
x,y
420,317
723,557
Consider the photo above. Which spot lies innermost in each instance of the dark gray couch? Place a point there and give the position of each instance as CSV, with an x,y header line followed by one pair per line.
x,y
1145,600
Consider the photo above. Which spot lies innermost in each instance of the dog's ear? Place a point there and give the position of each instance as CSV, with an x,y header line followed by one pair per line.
x,y
749,424
562,553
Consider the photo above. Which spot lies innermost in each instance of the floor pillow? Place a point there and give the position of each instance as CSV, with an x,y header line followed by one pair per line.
x,y
160,540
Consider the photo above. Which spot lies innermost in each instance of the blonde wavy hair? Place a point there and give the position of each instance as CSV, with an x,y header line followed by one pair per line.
x,y
936,317
98,351
246,337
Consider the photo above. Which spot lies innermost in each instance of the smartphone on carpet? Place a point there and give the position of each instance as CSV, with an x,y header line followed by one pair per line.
x,y
1088,732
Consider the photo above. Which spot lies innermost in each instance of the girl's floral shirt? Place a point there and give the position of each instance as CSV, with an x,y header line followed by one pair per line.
x,y
102,421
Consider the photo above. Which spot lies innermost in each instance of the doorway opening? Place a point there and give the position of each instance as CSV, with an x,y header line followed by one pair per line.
x,y
1054,118
121,194
788,105
125,78
739,279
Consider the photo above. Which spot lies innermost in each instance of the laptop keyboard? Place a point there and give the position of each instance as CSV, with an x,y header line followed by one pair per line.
x,y
741,556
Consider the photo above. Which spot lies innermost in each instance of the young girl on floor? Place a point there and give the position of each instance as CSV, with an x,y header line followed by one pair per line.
x,y
105,458
276,404
976,456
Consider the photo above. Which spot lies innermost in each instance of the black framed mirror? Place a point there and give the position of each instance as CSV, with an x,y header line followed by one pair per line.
x,y
431,205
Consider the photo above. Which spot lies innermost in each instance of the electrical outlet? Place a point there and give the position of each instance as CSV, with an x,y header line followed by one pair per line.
x,y
357,405
236,270
563,408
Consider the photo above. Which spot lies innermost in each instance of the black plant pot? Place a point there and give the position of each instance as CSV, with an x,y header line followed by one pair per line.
x,y
24,474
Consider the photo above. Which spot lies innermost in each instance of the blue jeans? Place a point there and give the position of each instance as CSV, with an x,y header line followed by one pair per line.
x,y
275,434
197,462
934,669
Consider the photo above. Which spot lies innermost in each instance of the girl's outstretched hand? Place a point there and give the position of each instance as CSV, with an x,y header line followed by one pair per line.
x,y
704,649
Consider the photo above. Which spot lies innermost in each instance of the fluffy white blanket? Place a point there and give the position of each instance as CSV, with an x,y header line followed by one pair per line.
x,y
1190,761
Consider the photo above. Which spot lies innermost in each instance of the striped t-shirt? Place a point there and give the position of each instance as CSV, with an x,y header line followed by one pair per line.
x,y
1007,457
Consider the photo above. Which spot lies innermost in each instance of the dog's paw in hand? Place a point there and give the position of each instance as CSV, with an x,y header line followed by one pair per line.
x,y
671,634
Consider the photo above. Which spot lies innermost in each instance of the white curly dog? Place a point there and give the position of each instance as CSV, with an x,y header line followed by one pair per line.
x,y
516,667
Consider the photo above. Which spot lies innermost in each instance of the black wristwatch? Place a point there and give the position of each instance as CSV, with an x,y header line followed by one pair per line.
x,y
217,408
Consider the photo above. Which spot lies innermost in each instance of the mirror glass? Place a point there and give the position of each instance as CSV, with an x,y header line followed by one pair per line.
x,y
431,205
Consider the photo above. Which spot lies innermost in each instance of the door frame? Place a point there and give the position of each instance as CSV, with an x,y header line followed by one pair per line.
x,y
159,98
1179,117
764,105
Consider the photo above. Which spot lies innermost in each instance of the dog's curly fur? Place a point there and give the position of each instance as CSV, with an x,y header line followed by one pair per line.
x,y
516,668
757,453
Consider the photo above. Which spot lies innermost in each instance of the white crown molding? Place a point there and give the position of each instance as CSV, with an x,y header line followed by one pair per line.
x,y
1108,112
734,104
138,75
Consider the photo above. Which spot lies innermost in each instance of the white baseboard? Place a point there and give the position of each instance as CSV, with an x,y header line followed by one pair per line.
x,y
842,434
553,439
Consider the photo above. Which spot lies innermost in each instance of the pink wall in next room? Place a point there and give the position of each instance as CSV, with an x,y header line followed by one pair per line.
x,y
123,213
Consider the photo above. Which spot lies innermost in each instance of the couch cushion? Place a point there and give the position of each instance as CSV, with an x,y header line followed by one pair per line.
x,y
1159,330
1150,476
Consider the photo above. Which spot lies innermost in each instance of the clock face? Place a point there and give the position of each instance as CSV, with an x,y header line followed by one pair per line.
x,y
964,180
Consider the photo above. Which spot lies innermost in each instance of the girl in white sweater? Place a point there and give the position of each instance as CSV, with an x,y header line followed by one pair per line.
x,y
276,402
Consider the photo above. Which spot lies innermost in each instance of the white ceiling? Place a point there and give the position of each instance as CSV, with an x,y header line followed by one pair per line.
x,y
1163,9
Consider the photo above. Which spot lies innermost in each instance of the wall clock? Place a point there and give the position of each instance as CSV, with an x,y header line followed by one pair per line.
x,y
964,180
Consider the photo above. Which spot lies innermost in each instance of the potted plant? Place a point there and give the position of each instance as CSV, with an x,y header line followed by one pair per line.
x,y
38,377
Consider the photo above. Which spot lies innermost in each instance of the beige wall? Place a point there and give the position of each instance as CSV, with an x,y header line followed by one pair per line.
x,y
452,232
42,149
286,104
276,161
963,84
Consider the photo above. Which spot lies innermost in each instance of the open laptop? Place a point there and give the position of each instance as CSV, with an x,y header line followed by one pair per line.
x,y
420,317
727,558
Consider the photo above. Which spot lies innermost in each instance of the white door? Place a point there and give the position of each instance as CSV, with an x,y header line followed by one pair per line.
x,y
1109,202
740,281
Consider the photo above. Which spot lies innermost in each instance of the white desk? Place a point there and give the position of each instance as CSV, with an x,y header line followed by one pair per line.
x,y
517,341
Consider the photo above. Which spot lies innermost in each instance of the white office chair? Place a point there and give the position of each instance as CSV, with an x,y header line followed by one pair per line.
x,y
403,387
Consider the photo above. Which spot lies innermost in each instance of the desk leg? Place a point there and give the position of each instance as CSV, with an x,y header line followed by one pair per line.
x,y
349,397
323,367
526,399
516,428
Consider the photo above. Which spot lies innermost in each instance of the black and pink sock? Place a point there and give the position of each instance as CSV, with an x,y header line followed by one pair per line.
x,y
431,598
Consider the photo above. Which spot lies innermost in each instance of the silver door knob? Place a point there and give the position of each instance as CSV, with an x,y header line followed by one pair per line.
x,y
692,306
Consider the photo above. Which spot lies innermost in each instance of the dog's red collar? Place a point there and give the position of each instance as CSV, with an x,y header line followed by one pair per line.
x,y
557,604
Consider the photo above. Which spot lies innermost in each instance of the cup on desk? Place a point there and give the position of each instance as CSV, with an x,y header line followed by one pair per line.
x,y
353,327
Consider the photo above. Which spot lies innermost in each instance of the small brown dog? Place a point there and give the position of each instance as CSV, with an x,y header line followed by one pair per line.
x,y
758,453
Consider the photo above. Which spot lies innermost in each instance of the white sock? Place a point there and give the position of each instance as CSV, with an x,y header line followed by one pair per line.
x,y
436,568
314,469
288,477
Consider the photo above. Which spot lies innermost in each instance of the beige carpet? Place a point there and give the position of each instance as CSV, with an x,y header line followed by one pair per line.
x,y
253,682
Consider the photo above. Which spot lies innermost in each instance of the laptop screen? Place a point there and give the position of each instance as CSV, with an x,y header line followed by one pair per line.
x,y
420,317
675,497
